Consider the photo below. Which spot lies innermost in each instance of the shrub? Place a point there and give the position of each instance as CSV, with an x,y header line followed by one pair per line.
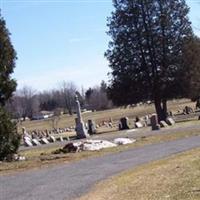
x,y
9,138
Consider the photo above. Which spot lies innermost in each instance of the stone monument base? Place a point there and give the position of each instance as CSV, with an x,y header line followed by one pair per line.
x,y
81,132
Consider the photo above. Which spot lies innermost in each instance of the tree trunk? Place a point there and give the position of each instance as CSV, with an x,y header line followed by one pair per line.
x,y
161,108
164,108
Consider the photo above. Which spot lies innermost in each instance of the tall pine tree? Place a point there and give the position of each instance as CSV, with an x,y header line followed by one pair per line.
x,y
145,51
9,139
191,73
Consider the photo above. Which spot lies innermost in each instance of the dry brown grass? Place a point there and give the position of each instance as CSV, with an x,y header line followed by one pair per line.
x,y
175,178
43,157
115,114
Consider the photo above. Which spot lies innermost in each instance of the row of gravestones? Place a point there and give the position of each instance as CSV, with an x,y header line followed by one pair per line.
x,y
139,122
92,127
28,141
44,137
33,140
38,134
153,121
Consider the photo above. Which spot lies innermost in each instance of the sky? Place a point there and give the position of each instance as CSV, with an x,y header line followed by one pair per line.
x,y
63,40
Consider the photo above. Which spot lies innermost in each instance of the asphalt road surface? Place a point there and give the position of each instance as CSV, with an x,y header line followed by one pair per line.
x,y
68,181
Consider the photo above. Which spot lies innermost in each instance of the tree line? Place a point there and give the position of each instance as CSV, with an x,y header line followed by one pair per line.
x,y
27,102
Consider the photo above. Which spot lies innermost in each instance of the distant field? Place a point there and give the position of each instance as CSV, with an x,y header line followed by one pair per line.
x,y
99,116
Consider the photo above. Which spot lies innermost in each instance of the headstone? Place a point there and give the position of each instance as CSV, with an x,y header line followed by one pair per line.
x,y
80,128
61,139
124,123
170,121
24,131
52,138
154,122
138,124
198,103
110,125
44,141
35,142
163,124
137,119
147,120
97,126
170,113
27,142
27,138
91,127
188,110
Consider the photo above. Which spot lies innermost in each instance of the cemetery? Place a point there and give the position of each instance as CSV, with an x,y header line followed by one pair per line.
x,y
129,131
105,101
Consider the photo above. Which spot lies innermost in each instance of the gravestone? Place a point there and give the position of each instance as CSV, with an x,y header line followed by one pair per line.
x,y
27,142
198,104
170,121
163,124
35,142
110,124
61,139
138,124
147,120
24,131
52,138
80,128
154,122
124,124
188,110
44,141
97,126
27,138
91,127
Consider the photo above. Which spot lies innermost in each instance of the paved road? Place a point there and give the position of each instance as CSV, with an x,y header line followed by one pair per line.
x,y
68,181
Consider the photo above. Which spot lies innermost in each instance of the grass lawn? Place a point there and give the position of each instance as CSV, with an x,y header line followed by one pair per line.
x,y
174,178
115,114
42,157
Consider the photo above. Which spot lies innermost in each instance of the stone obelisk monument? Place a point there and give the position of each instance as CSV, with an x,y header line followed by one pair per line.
x,y
81,132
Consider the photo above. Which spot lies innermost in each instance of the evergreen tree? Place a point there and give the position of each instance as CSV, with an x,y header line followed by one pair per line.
x,y
7,64
191,73
9,139
145,52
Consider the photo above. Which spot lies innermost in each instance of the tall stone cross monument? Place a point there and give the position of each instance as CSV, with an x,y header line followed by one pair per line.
x,y
81,132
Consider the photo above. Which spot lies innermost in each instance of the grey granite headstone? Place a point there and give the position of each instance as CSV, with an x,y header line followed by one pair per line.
x,y
163,124
61,139
124,123
27,142
138,124
44,141
154,122
81,132
35,142
91,127
52,139
170,121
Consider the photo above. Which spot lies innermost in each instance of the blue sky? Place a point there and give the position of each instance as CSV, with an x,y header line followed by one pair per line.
x,y
63,40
